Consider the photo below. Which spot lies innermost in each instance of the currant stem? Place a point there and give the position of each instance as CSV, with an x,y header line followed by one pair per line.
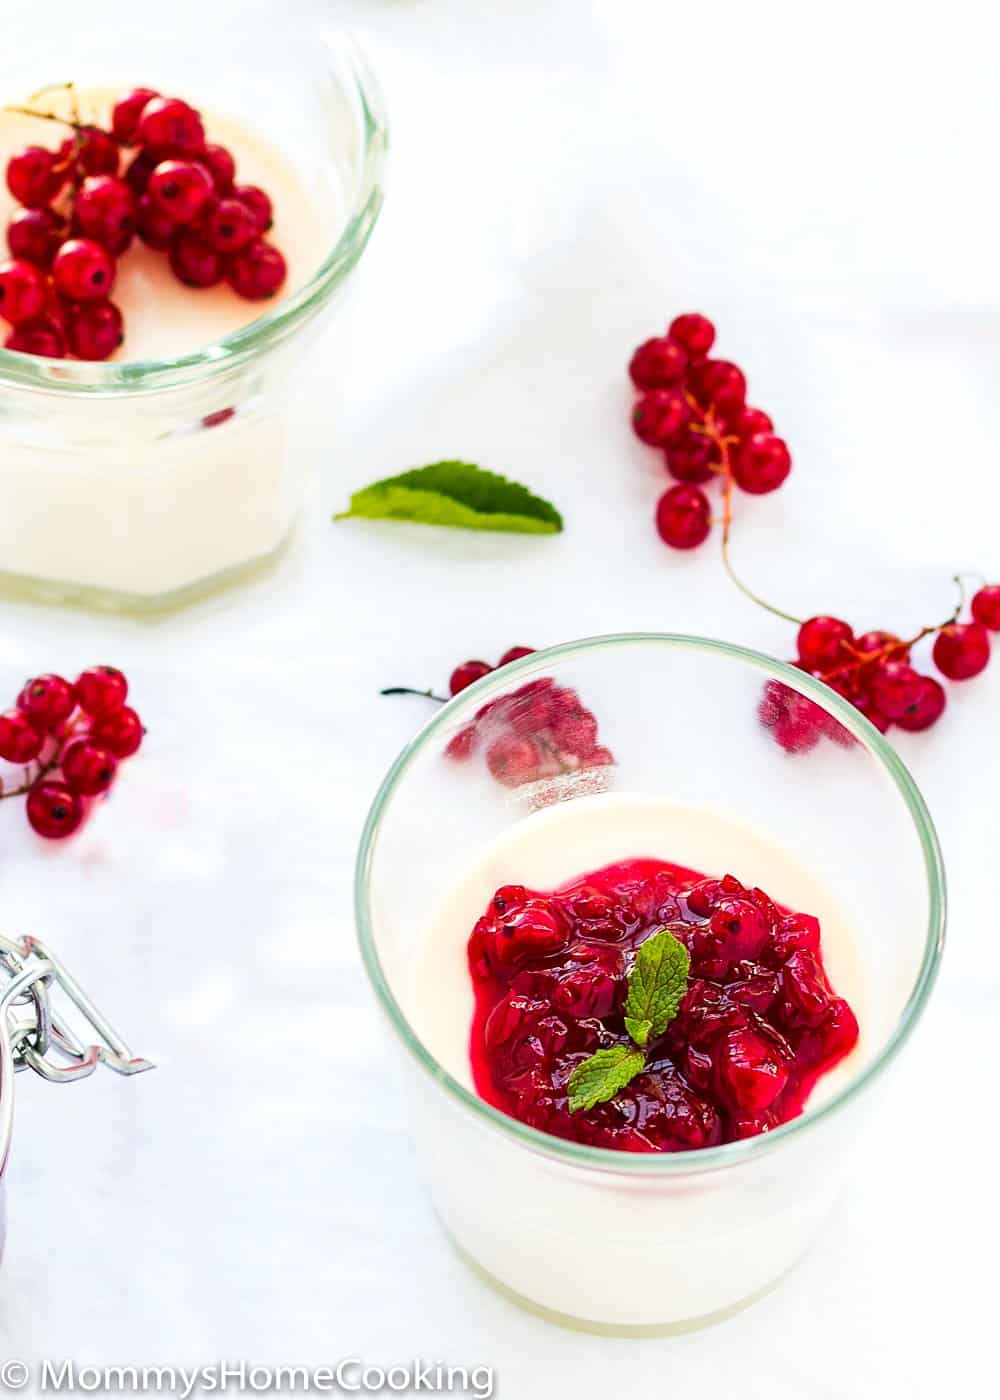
x,y
408,690
715,431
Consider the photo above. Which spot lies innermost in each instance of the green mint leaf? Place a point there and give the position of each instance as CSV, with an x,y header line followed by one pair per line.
x,y
457,494
656,986
599,1078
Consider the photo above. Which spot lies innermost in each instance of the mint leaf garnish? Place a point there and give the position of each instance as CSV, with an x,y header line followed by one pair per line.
x,y
457,494
656,986
601,1076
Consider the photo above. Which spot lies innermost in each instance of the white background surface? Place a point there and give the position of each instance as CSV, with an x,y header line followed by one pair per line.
x,y
565,177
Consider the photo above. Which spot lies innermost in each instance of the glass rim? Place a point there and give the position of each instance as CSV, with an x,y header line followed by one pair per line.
x,y
692,1160
71,378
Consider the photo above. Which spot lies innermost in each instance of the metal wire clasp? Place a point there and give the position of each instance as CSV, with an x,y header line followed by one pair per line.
x,y
37,1033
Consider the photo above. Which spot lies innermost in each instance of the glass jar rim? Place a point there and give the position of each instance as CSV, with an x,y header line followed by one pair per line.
x,y
114,378
694,1160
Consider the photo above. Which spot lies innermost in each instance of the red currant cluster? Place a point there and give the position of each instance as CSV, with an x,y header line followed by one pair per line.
x,y
875,673
81,212
540,730
695,409
70,739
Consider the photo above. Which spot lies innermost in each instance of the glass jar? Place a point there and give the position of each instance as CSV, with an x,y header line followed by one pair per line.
x,y
138,484
623,1241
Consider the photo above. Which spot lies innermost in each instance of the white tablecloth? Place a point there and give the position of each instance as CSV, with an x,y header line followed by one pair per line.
x,y
566,175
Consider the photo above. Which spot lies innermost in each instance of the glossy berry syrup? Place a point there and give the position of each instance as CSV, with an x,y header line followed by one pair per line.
x,y
758,1025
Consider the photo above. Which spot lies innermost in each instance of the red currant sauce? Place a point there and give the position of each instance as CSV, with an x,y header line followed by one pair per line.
x,y
757,1028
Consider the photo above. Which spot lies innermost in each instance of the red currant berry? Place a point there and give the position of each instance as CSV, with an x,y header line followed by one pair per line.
x,y
258,271
22,291
466,674
879,646
683,517
35,176
120,731
694,457
660,415
926,706
180,189
54,809
962,650
873,714
155,229
823,643
139,171
896,689
750,421
101,690
20,741
83,271
657,364
230,226
170,127
515,654
193,262
986,607
258,201
762,464
126,113
719,385
35,234
511,760
43,336
694,333
88,768
219,163
92,152
47,701
96,330
105,210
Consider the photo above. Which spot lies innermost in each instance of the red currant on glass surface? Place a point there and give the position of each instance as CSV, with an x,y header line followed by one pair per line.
x,y
95,330
170,127
46,701
22,291
193,262
105,210
219,163
43,336
120,732
83,270
20,740
35,234
180,189
258,201
659,416
35,176
258,271
127,111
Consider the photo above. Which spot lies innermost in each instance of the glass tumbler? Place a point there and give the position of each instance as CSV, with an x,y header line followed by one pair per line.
x,y
137,484
633,1242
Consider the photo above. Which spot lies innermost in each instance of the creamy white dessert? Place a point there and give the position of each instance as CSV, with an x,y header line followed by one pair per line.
x,y
145,494
590,1242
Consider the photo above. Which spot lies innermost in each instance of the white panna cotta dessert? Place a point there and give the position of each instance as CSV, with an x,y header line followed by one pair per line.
x,y
163,466
635,1252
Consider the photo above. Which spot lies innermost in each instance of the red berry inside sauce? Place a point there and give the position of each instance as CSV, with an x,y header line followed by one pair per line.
x,y
758,1025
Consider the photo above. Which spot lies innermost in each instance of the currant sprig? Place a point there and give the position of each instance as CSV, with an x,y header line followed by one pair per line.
x,y
693,408
69,739
81,212
541,730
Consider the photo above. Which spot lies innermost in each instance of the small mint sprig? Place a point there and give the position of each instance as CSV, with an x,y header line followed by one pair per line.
x,y
458,494
656,987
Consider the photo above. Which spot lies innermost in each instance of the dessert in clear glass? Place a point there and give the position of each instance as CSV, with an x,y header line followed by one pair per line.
x,y
513,867
138,480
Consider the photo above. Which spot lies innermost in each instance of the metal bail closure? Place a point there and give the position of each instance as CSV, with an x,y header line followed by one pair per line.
x,y
34,1027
